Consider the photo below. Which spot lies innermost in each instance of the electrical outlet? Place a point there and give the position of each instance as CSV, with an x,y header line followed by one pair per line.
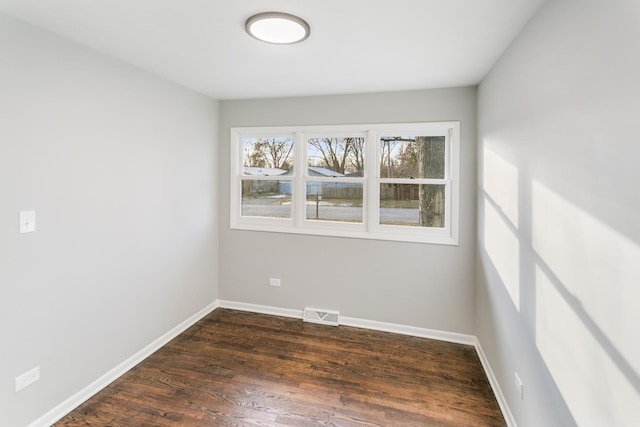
x,y
274,282
519,385
27,378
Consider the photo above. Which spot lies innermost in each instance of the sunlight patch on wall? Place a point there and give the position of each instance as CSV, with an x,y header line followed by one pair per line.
x,y
500,182
595,390
503,248
596,264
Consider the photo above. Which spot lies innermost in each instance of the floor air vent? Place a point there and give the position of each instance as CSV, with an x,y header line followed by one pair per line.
x,y
324,317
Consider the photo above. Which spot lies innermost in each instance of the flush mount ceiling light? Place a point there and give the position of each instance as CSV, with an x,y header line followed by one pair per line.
x,y
277,28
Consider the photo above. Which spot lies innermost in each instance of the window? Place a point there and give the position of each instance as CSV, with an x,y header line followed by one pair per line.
x,y
387,181
267,176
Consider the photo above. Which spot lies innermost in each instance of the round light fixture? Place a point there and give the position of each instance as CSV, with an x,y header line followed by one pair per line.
x,y
277,28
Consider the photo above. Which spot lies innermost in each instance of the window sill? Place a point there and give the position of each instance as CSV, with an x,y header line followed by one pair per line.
x,y
439,239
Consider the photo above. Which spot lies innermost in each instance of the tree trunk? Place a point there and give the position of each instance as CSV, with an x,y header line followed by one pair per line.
x,y
431,165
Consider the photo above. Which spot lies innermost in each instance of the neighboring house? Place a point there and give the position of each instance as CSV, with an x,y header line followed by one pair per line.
x,y
252,187
340,189
318,188
255,171
316,171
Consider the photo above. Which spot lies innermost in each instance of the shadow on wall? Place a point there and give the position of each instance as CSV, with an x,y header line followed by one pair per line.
x,y
572,280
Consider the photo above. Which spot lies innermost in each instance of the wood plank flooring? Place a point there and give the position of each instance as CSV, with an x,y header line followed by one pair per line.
x,y
236,368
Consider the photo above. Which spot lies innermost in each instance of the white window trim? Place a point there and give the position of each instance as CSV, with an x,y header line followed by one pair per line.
x,y
370,227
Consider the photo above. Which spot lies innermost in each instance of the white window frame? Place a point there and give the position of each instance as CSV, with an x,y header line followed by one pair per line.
x,y
370,227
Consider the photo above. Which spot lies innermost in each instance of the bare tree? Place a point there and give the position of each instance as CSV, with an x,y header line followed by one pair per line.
x,y
272,153
390,167
408,161
356,154
279,152
255,157
334,152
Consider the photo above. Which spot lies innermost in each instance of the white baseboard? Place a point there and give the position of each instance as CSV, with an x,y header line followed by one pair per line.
x,y
356,323
408,330
83,395
262,309
493,381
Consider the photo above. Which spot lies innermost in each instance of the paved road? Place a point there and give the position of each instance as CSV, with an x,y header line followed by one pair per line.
x,y
329,212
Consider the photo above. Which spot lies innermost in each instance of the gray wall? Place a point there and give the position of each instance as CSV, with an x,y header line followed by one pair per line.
x,y
120,167
559,230
422,285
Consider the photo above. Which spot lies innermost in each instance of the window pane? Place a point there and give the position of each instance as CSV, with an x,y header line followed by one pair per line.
x,y
267,156
334,201
336,157
412,157
412,204
270,199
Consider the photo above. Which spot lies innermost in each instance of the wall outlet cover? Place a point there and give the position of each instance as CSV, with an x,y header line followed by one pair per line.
x,y
274,282
27,222
27,378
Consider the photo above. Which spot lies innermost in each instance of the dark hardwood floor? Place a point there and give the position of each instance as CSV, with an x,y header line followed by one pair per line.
x,y
239,369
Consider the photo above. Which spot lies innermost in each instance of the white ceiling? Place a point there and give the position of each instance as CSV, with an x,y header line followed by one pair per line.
x,y
355,45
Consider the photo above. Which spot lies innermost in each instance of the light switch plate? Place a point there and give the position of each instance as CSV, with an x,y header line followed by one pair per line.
x,y
27,221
